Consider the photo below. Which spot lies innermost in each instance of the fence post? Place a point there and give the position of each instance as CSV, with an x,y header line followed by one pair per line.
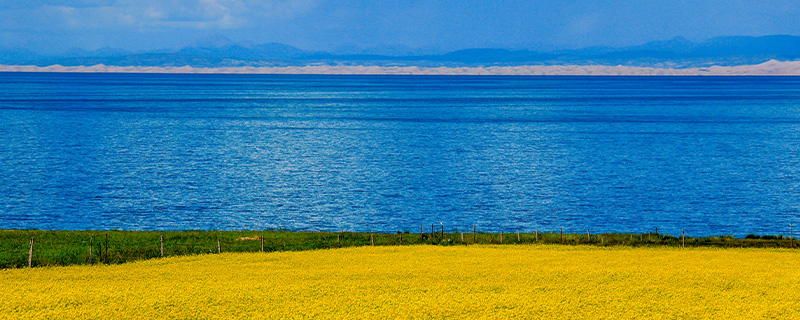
x,y
219,246
262,243
162,246
371,239
518,236
562,235
91,244
401,238
537,234
501,237
474,235
588,235
30,254
338,243
421,233
683,237
106,255
462,237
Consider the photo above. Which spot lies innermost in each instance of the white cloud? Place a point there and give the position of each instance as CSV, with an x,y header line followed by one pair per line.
x,y
194,14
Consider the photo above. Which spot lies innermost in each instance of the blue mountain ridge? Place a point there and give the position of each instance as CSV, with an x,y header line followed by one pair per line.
x,y
222,52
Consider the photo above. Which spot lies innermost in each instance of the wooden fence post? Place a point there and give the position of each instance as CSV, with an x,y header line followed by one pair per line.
x,y
462,237
106,255
401,238
518,236
219,246
91,244
474,235
421,233
262,243
338,241
371,239
537,234
683,237
588,235
562,235
501,237
162,246
30,254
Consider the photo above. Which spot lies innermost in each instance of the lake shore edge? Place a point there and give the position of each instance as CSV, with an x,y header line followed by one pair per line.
x,y
22,248
768,68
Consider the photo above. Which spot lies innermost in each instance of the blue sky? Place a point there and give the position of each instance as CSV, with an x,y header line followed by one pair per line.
x,y
431,25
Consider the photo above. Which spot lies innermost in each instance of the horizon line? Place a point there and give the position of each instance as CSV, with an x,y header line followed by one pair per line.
x,y
768,68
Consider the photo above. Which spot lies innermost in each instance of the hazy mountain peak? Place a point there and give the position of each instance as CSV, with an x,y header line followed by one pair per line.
x,y
211,41
677,44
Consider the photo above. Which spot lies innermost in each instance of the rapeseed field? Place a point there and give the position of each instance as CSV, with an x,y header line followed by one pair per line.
x,y
420,282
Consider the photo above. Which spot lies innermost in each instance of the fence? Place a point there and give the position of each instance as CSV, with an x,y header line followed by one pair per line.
x,y
20,248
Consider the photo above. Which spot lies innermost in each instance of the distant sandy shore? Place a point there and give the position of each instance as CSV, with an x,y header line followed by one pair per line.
x,y
769,68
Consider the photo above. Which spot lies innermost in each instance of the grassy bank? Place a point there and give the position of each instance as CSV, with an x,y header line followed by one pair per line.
x,y
421,282
60,248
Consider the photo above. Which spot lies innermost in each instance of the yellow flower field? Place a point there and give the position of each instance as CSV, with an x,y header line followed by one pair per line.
x,y
422,282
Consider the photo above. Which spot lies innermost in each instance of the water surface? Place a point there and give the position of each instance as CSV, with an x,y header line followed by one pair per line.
x,y
714,155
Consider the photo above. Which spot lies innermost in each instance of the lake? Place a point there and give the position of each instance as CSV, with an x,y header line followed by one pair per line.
x,y
713,155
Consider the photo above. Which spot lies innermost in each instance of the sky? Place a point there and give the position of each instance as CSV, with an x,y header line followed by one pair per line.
x,y
423,26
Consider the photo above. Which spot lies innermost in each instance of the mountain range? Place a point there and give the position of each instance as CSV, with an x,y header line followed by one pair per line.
x,y
218,51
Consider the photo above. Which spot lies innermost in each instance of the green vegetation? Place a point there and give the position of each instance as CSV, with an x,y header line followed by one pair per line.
x,y
59,248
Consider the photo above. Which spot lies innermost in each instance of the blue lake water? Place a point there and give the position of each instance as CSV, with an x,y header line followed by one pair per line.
x,y
714,155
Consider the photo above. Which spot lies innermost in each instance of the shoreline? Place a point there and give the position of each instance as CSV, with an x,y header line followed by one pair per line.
x,y
38,248
769,68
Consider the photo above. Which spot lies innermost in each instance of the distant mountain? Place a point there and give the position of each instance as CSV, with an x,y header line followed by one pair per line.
x,y
494,56
778,45
221,47
109,52
383,50
9,55
142,59
678,52
212,41
466,57
675,45
782,47
265,51
216,51
219,51
102,52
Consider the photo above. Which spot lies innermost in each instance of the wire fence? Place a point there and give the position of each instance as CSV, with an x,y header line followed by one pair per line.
x,y
30,248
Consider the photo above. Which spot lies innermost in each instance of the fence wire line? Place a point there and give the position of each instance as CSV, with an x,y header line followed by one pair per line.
x,y
131,248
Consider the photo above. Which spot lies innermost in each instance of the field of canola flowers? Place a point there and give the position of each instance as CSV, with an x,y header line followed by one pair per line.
x,y
420,282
